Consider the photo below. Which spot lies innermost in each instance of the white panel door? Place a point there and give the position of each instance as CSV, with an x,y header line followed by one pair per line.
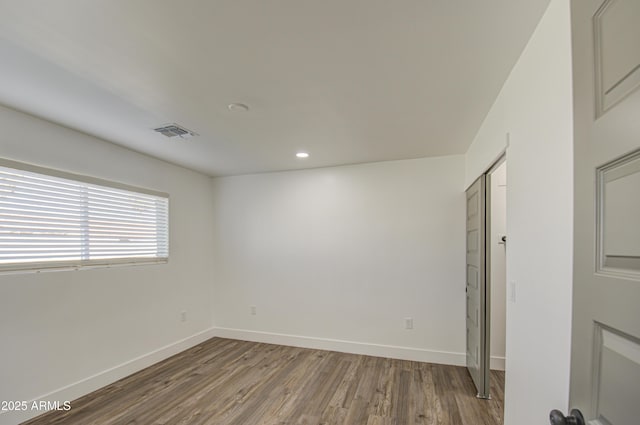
x,y
605,361
476,317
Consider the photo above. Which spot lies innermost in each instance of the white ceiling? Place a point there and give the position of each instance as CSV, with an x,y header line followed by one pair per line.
x,y
349,81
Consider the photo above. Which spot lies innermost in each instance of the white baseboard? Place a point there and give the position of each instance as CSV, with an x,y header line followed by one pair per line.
x,y
106,377
379,350
497,363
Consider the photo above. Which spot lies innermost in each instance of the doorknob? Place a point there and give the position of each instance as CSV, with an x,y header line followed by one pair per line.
x,y
575,418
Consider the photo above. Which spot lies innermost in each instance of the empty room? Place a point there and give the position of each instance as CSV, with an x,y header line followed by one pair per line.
x,y
319,212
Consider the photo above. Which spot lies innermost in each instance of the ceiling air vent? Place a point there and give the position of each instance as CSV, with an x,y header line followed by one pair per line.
x,y
174,130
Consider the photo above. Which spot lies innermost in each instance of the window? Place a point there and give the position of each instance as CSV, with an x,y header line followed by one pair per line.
x,y
50,219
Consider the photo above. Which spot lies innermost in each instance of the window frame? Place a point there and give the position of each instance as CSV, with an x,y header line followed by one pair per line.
x,y
80,264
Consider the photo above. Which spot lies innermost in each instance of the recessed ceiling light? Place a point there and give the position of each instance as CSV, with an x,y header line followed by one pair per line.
x,y
302,155
238,107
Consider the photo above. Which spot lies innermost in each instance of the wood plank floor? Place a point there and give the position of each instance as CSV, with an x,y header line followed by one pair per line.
x,y
229,382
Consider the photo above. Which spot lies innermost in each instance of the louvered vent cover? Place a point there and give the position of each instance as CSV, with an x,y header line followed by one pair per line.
x,y
174,130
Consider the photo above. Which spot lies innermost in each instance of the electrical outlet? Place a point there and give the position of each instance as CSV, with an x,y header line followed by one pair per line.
x,y
408,323
253,310
183,316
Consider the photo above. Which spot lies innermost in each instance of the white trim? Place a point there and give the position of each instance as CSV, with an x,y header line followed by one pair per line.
x,y
66,266
108,376
23,166
498,363
352,347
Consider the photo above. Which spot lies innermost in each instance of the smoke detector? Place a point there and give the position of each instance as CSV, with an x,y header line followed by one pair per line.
x,y
174,130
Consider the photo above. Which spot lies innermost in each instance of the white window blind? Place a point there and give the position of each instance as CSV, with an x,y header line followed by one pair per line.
x,y
49,221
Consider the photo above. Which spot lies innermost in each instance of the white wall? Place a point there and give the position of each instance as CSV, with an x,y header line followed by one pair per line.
x,y
337,257
498,266
535,109
59,328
